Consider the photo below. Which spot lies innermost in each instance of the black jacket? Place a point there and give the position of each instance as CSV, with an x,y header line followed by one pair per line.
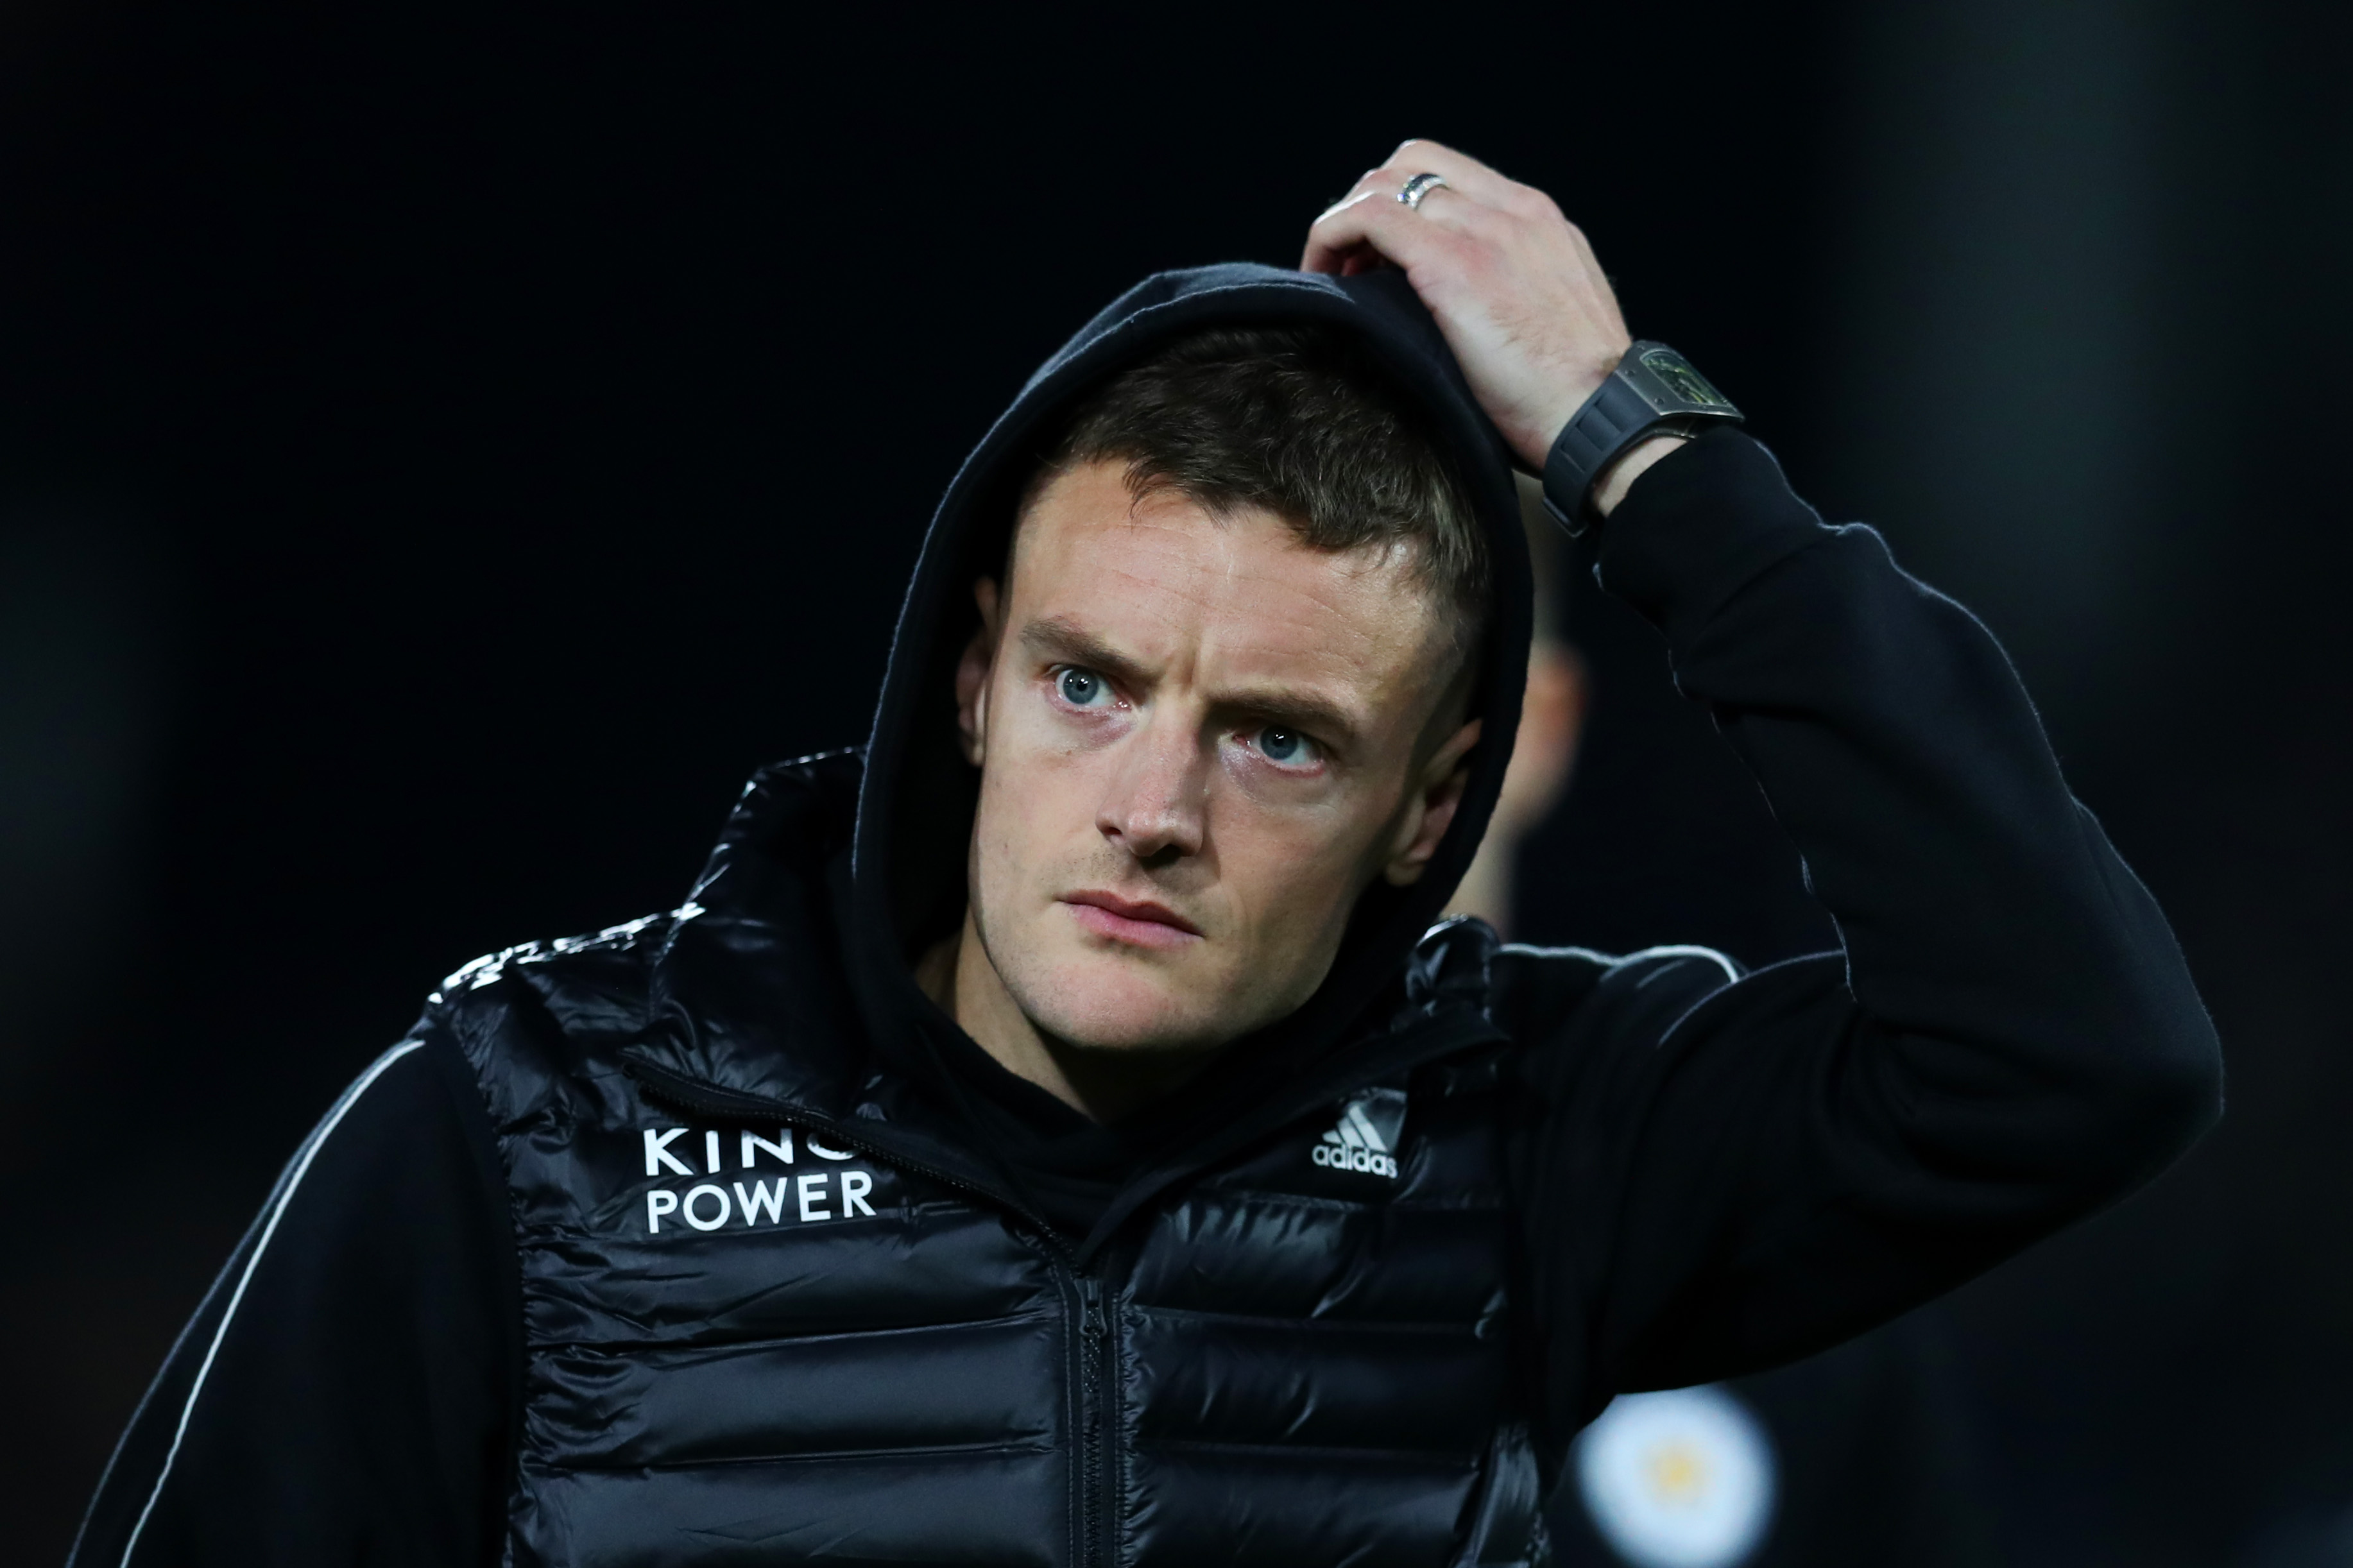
x,y
1453,1203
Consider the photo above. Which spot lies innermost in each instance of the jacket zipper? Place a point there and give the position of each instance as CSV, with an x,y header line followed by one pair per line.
x,y
1098,1425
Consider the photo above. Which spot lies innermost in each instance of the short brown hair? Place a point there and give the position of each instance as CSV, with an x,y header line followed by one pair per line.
x,y
1299,421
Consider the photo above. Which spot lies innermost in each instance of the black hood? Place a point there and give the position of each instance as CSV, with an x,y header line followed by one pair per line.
x,y
915,805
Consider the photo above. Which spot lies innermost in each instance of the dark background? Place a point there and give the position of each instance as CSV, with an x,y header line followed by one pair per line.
x,y
439,456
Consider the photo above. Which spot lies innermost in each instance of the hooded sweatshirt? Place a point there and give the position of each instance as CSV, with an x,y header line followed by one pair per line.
x,y
460,1331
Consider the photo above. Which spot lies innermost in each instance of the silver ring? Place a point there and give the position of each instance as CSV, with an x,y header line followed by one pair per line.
x,y
1419,186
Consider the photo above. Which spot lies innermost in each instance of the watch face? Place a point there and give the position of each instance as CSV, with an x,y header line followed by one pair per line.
x,y
1681,380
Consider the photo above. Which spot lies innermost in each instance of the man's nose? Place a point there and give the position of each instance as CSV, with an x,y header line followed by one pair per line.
x,y
1154,808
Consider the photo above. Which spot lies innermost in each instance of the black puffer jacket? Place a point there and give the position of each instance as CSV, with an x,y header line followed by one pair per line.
x,y
655,1247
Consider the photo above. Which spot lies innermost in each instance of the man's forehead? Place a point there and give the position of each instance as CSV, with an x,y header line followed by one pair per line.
x,y
1159,564
1348,645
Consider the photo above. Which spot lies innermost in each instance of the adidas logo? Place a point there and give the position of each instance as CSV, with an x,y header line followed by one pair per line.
x,y
1366,1137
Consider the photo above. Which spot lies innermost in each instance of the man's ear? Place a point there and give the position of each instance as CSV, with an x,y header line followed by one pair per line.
x,y
1436,793
972,673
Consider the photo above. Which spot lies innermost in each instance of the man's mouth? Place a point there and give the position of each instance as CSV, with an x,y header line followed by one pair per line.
x,y
1137,921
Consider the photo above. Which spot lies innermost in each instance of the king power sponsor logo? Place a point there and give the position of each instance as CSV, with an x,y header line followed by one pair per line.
x,y
1366,1137
798,1196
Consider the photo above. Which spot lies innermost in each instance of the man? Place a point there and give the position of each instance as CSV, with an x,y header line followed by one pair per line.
x,y
1051,1138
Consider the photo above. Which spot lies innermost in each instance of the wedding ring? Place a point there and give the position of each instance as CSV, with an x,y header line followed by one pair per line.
x,y
1419,186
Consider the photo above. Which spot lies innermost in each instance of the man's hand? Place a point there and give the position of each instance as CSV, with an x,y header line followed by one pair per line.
x,y
1513,286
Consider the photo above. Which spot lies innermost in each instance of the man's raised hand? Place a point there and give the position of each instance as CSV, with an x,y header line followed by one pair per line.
x,y
1514,285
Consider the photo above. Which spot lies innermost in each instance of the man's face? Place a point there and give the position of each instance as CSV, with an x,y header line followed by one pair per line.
x,y
1199,742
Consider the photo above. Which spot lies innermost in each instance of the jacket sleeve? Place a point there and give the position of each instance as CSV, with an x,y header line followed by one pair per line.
x,y
1731,1172
347,1392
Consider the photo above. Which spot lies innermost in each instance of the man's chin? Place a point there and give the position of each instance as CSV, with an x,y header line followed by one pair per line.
x,y
1130,1032
1107,1003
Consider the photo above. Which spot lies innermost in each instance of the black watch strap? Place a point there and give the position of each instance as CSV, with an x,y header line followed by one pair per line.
x,y
1654,391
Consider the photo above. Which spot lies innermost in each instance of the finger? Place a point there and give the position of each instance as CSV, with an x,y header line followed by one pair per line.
x,y
1461,170
1464,173
1490,194
1380,224
1378,221
1441,204
1390,179
1451,208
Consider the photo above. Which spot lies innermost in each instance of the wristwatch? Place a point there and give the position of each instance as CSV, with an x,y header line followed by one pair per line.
x,y
1654,391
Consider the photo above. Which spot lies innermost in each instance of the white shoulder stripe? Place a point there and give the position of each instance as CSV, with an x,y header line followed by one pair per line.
x,y
1614,960
1731,970
294,1174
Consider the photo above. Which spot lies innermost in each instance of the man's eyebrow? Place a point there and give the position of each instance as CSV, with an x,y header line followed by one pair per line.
x,y
1063,640
1056,638
1283,709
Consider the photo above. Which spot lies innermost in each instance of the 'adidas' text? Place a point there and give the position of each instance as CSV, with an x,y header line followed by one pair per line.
x,y
1358,1144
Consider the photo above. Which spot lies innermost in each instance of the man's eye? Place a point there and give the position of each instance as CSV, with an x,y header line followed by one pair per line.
x,y
1285,746
1082,687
